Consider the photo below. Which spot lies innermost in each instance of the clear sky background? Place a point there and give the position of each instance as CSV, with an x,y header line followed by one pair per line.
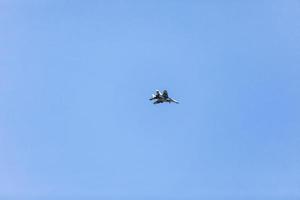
x,y
76,122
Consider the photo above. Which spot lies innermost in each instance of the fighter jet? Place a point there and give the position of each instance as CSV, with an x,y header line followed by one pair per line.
x,y
162,97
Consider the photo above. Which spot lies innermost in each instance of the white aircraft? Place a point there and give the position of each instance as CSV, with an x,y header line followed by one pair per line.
x,y
162,97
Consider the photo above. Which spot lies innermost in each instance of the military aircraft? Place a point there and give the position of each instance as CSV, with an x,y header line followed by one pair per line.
x,y
162,97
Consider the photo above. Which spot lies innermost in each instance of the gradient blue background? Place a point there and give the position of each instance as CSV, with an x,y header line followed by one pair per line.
x,y
76,123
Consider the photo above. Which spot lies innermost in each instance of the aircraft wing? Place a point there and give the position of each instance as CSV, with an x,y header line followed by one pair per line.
x,y
173,100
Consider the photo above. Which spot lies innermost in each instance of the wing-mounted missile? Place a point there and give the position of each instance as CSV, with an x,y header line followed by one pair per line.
x,y
153,97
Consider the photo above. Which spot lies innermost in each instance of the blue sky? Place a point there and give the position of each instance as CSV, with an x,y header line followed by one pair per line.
x,y
76,123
